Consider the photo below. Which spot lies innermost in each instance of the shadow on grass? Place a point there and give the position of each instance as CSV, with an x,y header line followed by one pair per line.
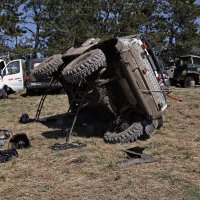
x,y
55,134
87,125
41,92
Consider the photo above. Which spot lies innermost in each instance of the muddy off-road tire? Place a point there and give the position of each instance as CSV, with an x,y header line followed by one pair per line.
x,y
189,82
48,67
132,133
84,66
148,128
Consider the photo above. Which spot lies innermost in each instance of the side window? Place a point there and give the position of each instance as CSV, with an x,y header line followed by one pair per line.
x,y
187,61
190,65
2,64
13,67
196,62
4,72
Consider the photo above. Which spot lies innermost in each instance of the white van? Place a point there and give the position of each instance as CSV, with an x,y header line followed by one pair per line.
x,y
11,77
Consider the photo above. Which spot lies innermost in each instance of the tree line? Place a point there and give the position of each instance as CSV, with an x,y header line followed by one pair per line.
x,y
52,26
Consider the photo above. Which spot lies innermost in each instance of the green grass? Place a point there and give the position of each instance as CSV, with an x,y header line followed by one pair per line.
x,y
191,192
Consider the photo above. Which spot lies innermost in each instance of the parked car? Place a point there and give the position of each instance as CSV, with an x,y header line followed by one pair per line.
x,y
185,71
33,84
11,77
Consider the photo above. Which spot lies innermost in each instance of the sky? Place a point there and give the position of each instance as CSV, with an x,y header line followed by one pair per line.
x,y
198,2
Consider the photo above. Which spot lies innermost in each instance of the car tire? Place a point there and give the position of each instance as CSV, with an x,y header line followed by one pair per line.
x,y
3,93
132,133
189,82
48,67
29,92
84,66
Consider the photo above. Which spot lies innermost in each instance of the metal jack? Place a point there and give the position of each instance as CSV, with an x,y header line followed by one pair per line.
x,y
68,144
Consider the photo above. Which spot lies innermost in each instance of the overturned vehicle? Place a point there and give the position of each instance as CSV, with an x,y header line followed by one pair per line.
x,y
117,78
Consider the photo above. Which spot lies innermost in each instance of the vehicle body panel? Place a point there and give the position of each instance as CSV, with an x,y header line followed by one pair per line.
x,y
142,76
188,65
31,83
133,70
12,76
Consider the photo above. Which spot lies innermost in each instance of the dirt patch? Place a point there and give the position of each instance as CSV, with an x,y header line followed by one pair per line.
x,y
91,172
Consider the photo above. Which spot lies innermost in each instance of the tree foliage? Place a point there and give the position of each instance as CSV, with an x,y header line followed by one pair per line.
x,y
50,27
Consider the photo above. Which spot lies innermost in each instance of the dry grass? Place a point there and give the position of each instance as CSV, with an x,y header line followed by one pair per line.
x,y
91,172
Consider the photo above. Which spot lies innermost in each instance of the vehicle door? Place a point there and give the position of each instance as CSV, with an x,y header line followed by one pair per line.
x,y
182,67
12,75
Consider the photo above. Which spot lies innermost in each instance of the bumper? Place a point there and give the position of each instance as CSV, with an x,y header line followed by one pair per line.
x,y
41,85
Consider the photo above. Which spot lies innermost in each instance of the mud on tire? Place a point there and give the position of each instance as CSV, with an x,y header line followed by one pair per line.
x,y
132,133
128,128
84,66
48,67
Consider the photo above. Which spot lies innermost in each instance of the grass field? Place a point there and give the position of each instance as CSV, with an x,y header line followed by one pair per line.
x,y
91,172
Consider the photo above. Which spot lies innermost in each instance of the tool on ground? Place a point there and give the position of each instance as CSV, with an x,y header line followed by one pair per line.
x,y
6,155
19,141
4,134
136,156
78,101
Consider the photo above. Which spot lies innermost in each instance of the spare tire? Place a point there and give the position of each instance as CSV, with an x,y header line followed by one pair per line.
x,y
48,67
84,66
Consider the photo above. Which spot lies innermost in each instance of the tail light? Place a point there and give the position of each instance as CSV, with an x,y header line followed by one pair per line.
x,y
27,77
158,78
144,45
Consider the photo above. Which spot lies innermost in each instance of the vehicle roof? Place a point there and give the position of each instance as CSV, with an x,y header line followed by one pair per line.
x,y
36,60
190,56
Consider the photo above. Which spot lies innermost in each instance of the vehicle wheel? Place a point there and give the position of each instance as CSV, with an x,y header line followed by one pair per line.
x,y
132,133
189,82
3,94
148,127
84,66
29,92
48,67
